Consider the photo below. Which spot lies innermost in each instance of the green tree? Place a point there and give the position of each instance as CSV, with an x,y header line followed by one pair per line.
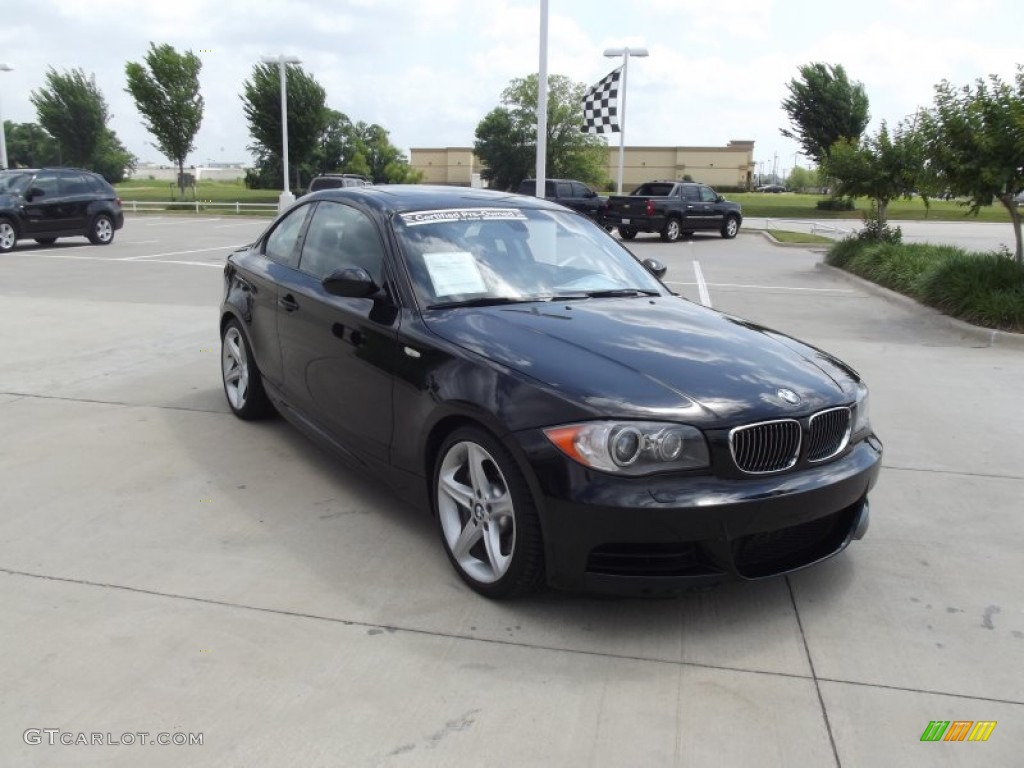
x,y
307,113
72,109
112,160
975,140
384,161
882,167
29,146
506,139
824,106
802,178
166,93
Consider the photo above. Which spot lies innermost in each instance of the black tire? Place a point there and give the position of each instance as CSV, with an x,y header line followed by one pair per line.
x,y
101,231
731,227
243,384
8,235
672,231
627,233
491,506
46,240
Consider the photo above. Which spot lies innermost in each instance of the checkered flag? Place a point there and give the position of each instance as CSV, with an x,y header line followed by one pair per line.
x,y
601,105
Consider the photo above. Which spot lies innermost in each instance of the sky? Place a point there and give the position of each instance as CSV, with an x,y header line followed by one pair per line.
x,y
429,70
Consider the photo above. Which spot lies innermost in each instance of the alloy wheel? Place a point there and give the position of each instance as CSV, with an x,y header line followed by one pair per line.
x,y
476,512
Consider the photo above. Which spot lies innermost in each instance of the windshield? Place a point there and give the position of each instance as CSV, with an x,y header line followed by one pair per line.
x,y
497,255
13,183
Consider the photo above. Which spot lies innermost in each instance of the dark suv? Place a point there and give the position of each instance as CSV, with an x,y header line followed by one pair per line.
x,y
48,203
337,180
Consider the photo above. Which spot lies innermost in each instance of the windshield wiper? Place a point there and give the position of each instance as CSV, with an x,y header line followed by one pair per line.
x,y
487,301
605,294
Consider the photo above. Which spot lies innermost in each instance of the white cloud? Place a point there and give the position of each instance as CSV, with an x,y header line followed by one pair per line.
x,y
429,71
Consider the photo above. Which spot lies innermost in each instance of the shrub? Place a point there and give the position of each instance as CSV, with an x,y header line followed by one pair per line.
x,y
876,232
985,289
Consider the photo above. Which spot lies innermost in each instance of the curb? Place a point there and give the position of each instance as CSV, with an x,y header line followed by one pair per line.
x,y
767,236
991,336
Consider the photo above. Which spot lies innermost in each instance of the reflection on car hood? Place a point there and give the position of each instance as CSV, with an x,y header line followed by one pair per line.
x,y
644,357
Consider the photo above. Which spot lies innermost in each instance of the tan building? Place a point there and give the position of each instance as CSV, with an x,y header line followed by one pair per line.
x,y
729,166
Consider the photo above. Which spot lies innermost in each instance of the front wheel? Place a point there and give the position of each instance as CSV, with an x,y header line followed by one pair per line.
x,y
672,231
488,520
8,236
731,227
102,230
627,233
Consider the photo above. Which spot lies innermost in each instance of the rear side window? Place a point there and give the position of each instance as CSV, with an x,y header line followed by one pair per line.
x,y
73,184
564,189
319,184
654,190
691,193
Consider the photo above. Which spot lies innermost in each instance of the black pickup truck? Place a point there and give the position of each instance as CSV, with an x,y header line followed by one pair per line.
x,y
672,209
571,194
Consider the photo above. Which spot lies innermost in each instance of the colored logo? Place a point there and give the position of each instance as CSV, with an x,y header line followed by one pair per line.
x,y
958,730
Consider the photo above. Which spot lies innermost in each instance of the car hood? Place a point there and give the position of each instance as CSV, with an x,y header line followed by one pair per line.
x,y
649,358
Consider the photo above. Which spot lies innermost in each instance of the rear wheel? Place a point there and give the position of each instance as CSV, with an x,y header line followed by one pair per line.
x,y
102,230
488,520
8,236
627,233
46,240
243,385
672,231
731,227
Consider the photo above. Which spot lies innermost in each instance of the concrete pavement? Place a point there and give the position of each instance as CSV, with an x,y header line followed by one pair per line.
x,y
167,568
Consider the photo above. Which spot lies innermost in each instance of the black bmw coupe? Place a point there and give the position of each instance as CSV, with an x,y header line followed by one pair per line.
x,y
507,365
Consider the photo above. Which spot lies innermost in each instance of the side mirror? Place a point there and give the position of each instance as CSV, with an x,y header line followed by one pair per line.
x,y
34,192
655,267
351,282
719,199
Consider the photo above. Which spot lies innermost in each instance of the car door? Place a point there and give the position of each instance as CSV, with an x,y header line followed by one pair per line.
x,y
274,258
76,193
42,208
339,353
714,212
693,209
584,200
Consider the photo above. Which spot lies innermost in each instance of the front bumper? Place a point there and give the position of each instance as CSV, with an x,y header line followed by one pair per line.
x,y
666,534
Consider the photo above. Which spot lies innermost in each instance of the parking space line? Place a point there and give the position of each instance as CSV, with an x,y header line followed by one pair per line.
x,y
216,264
702,287
764,287
180,253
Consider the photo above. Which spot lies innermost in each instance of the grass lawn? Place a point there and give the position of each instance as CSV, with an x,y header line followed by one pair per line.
x,y
797,237
795,206
211,191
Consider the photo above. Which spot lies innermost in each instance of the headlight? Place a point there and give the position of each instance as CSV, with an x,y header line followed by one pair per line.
x,y
632,447
861,421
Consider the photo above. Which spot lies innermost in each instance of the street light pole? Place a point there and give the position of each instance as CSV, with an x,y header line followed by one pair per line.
x,y
282,61
3,137
625,53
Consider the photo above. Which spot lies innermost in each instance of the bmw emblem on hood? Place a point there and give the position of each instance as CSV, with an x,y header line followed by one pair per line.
x,y
789,396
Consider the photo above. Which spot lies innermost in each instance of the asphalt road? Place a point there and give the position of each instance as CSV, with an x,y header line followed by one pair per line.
x,y
166,568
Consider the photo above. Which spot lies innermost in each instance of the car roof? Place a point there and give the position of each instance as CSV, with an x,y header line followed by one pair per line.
x,y
398,198
47,168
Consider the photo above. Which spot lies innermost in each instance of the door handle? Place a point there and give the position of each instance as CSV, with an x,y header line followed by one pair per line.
x,y
288,303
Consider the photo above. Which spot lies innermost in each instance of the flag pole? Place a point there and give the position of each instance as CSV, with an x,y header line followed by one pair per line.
x,y
542,102
625,53
622,118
